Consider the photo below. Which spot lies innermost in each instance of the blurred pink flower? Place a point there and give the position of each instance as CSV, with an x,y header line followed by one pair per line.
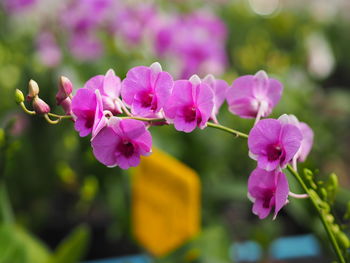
x,y
85,47
196,41
48,50
84,15
131,22
14,6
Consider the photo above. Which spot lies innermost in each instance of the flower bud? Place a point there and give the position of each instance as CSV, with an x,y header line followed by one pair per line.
x,y
343,240
19,97
64,90
66,104
40,106
33,90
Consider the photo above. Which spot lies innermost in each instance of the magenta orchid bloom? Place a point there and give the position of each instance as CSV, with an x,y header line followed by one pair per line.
x,y
146,89
306,131
267,190
219,88
122,142
88,110
190,105
273,144
109,86
253,95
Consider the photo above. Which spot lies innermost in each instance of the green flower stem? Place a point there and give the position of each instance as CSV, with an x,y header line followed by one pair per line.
x,y
320,213
142,119
23,106
226,129
209,124
59,116
30,112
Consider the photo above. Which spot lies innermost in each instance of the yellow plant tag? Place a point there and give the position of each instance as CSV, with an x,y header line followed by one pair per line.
x,y
165,203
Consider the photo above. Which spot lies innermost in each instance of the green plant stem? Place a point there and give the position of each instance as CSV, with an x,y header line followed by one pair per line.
x,y
226,129
320,213
209,124
60,116
142,119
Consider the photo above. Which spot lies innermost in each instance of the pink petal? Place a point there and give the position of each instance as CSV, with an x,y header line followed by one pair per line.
x,y
274,91
307,142
205,102
104,144
180,97
282,191
291,138
181,124
264,133
163,88
111,85
137,79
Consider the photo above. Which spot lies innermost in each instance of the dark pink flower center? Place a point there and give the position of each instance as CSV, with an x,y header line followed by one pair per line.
x,y
274,152
190,113
147,99
90,118
267,196
126,148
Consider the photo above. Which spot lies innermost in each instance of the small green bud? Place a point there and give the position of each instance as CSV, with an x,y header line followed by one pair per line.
x,y
323,193
309,176
332,187
335,229
343,240
330,218
333,181
19,97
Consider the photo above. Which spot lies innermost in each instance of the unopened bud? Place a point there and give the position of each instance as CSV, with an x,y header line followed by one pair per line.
x,y
343,240
66,104
64,90
19,97
40,106
33,90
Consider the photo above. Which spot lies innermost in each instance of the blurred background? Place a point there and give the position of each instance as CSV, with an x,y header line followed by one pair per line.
x,y
62,201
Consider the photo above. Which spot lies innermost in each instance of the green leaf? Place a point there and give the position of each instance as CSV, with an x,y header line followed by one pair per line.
x,y
73,247
19,246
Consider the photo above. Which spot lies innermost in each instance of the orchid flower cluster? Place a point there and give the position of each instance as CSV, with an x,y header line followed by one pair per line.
x,y
194,42
118,113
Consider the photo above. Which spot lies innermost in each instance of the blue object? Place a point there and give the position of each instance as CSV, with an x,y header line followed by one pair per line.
x,y
131,259
295,247
245,251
